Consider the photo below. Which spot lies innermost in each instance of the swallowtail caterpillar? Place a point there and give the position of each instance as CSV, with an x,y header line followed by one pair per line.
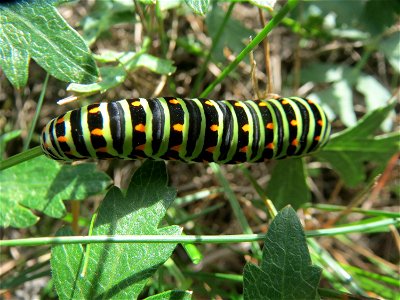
x,y
190,130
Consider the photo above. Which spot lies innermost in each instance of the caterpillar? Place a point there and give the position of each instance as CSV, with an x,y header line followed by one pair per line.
x,y
190,130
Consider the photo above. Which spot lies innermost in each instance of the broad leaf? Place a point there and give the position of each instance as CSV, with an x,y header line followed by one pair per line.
x,y
349,150
288,184
48,39
119,270
42,184
285,271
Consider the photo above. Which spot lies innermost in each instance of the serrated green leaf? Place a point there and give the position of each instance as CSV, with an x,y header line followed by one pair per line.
x,y
349,150
285,271
42,184
288,184
172,295
48,39
120,271
200,7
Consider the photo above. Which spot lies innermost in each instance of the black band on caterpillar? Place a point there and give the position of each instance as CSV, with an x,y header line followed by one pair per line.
x,y
199,130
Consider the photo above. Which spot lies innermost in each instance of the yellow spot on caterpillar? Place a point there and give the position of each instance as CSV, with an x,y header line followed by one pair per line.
x,y
176,148
246,127
136,103
270,146
295,142
214,127
208,102
62,139
60,120
320,123
178,127
239,104
173,101
270,126
102,149
140,127
262,104
293,122
210,149
94,110
284,102
243,149
317,138
97,131
140,147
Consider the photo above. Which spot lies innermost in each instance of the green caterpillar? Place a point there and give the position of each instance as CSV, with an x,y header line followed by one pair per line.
x,y
190,130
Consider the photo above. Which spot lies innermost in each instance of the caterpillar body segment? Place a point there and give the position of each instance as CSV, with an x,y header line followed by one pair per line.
x,y
190,130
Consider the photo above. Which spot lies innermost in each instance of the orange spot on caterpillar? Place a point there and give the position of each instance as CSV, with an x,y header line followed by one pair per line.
x,y
136,103
173,101
284,102
262,104
320,123
293,122
270,146
60,120
270,126
178,127
94,110
97,131
210,149
295,142
208,102
176,148
246,127
310,101
62,139
239,104
214,127
140,127
317,138
243,149
102,149
140,147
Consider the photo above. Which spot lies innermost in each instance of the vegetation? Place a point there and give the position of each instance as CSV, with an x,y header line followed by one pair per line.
x,y
322,226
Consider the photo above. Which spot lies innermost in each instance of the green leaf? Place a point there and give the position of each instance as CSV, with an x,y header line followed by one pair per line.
x,y
288,184
119,270
285,271
103,15
349,150
200,7
172,295
390,47
42,184
114,76
376,95
48,39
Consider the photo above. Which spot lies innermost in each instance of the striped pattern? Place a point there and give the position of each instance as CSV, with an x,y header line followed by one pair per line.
x,y
200,130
